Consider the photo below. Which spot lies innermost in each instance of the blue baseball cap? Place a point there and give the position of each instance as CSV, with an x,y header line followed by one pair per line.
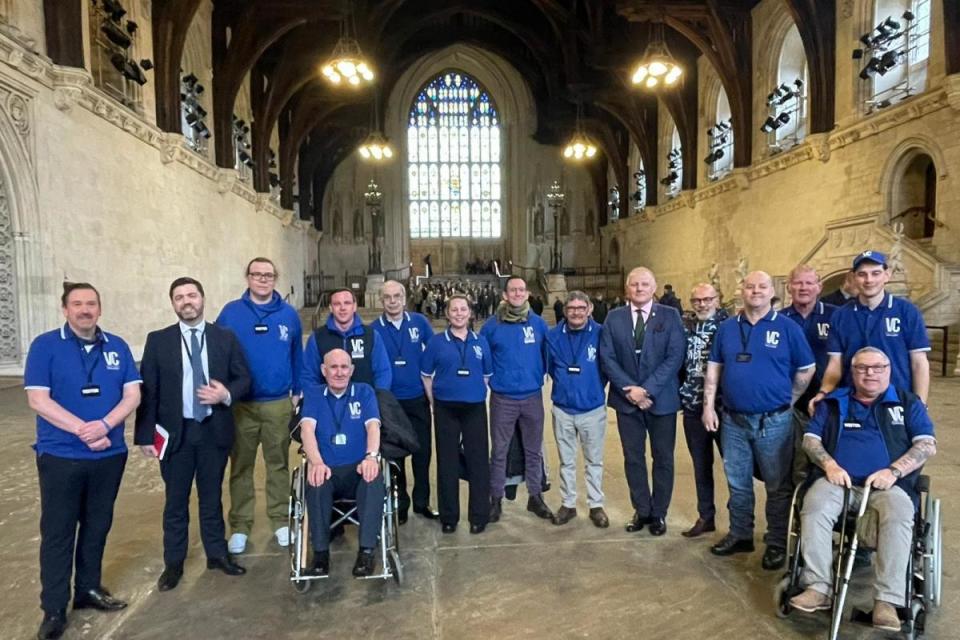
x,y
870,256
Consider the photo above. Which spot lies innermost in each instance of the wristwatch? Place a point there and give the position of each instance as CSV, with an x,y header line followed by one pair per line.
x,y
374,455
896,472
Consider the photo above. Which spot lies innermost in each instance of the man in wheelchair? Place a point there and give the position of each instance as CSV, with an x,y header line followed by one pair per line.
x,y
340,429
869,435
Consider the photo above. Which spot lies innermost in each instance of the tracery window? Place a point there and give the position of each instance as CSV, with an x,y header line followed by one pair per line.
x,y
453,160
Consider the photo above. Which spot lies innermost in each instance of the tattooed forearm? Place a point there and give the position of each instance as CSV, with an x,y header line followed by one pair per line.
x,y
815,451
710,382
800,382
921,451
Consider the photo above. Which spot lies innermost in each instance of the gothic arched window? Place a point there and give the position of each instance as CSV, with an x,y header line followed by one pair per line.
x,y
453,160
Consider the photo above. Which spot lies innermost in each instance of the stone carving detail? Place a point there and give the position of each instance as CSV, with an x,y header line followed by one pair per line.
x,y
846,8
17,108
898,270
9,342
741,272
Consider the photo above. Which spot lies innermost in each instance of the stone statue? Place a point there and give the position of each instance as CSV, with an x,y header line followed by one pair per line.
x,y
741,271
538,220
898,271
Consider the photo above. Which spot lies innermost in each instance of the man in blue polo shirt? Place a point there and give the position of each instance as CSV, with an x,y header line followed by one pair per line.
x,y
763,363
405,334
83,383
344,330
268,330
877,319
517,340
875,435
340,427
579,409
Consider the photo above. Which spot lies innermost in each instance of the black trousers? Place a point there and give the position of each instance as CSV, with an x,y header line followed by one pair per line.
x,y
198,457
345,482
466,423
418,410
700,443
76,512
634,429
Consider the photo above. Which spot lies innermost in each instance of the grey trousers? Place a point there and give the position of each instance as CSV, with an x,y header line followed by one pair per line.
x,y
590,428
823,505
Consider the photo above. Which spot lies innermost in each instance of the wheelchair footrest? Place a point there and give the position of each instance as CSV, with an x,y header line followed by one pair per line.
x,y
866,617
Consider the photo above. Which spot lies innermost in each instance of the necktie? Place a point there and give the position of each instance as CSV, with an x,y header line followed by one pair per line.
x,y
639,329
196,364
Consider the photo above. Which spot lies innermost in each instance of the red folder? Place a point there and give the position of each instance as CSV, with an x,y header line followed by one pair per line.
x,y
161,438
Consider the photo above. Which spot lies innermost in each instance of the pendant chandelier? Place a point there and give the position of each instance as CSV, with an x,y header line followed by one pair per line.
x,y
346,64
375,147
580,147
657,68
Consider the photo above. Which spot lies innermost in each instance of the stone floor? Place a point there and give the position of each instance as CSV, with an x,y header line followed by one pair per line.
x,y
523,578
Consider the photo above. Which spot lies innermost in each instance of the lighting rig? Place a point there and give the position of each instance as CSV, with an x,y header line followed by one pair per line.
x,y
886,47
674,168
639,196
614,202
193,115
720,145
786,104
243,162
115,37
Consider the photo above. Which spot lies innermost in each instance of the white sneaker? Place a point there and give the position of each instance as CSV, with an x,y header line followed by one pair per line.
x,y
237,543
283,536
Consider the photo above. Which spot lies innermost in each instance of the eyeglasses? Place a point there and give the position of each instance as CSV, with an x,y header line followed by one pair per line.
x,y
702,300
870,368
257,275
578,309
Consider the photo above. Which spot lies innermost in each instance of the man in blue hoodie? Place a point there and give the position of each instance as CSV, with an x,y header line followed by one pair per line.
x,y
517,339
344,330
579,409
270,335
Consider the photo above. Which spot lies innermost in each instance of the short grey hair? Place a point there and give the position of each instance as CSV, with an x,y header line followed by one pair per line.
x,y
886,358
578,295
403,289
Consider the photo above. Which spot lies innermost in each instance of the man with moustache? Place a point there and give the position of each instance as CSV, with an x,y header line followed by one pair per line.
x,y
192,372
641,352
83,383
700,330
763,363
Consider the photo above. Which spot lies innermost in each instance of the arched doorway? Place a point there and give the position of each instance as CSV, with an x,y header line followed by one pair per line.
x,y
914,198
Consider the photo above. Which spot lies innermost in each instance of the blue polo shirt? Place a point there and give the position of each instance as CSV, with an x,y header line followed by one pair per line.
x,y
816,328
759,361
519,351
405,345
578,382
895,327
446,355
60,362
341,428
861,449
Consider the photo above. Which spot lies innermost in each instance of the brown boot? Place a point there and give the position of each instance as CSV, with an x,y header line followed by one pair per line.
x,y
564,515
699,528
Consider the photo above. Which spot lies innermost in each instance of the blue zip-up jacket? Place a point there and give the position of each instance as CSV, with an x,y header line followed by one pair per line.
x,y
519,353
382,374
270,336
576,392
404,348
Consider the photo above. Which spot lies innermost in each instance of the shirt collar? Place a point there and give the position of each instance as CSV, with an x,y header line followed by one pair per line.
x,y
645,308
384,320
770,317
886,302
587,327
326,391
185,329
66,333
450,336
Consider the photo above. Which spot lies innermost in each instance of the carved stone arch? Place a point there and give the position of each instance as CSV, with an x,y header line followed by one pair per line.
x,y
898,160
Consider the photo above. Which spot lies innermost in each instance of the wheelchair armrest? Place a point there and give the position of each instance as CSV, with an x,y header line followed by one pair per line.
x,y
923,484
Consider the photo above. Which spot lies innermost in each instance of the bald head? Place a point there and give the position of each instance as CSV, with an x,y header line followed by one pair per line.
x,y
757,291
641,285
337,368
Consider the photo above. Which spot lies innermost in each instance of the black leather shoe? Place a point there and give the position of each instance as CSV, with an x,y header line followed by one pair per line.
x,y
170,577
363,567
730,545
53,625
564,515
699,528
658,526
227,565
539,508
321,564
774,558
599,517
637,523
477,528
402,517
427,513
448,528
99,599
510,492
496,507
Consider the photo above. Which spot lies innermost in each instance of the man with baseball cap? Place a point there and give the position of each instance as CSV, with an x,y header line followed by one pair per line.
x,y
877,319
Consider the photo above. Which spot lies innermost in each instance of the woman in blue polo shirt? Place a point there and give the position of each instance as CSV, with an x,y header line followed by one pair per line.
x,y
455,368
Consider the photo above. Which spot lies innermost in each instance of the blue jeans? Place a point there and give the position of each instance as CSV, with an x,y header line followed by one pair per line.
x,y
764,441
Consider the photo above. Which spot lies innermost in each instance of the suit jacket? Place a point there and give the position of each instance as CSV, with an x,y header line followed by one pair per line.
x,y
657,367
162,391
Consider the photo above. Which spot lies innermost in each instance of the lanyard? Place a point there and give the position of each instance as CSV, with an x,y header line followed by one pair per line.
x,y
203,342
337,420
463,351
260,316
396,336
84,358
744,337
581,345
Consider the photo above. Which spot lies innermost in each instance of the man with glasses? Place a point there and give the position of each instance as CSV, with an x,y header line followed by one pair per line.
x,y
875,435
578,406
700,329
268,330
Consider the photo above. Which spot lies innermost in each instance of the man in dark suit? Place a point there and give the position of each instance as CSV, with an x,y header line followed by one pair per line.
x,y
641,351
192,372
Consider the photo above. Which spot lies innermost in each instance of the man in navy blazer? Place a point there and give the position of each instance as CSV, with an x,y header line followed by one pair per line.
x,y
641,352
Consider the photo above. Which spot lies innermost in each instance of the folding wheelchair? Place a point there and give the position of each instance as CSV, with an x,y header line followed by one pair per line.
x,y
924,567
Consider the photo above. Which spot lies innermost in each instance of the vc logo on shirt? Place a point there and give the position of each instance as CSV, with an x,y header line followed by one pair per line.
x,y
284,332
893,326
112,358
414,334
823,330
478,351
529,336
354,409
896,415
356,348
773,339
591,353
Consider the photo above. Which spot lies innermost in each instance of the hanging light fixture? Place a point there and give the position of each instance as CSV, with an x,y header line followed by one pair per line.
x,y
346,64
580,147
657,68
375,147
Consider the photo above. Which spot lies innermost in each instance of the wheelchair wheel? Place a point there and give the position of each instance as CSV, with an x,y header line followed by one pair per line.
x,y
396,567
302,586
937,553
781,597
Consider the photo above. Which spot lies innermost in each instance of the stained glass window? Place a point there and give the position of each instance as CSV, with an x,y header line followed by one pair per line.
x,y
453,160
